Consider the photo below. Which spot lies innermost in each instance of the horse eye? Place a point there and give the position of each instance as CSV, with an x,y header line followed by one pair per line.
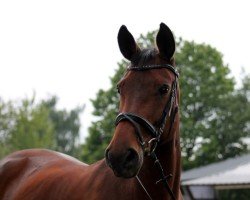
x,y
164,89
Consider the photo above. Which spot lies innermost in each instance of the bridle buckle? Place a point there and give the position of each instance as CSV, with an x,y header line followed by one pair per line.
x,y
152,144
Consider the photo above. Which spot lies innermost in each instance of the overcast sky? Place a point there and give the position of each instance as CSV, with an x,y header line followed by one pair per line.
x,y
69,48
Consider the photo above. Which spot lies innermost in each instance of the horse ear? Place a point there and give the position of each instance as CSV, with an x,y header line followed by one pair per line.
x,y
127,44
165,41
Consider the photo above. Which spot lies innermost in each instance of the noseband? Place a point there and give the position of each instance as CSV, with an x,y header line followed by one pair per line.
x,y
137,121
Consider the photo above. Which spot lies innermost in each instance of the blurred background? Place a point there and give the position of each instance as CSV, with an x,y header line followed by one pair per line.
x,y
60,63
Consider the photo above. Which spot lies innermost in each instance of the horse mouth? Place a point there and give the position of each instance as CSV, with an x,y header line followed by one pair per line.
x,y
125,172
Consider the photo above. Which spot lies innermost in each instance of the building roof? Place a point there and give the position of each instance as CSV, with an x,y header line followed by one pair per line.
x,y
234,171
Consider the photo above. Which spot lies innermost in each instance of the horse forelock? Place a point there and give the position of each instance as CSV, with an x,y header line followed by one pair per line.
x,y
144,56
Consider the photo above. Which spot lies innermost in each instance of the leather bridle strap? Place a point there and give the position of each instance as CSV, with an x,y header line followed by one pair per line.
x,y
154,66
133,119
164,178
168,110
137,121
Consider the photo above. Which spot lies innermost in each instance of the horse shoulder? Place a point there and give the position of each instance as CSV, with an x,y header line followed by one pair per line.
x,y
29,174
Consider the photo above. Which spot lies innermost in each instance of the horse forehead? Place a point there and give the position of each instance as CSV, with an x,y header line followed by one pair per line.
x,y
152,77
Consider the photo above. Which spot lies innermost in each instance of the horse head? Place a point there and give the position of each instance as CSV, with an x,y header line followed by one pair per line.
x,y
148,102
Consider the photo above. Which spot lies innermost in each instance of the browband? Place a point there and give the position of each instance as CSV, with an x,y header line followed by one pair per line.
x,y
156,66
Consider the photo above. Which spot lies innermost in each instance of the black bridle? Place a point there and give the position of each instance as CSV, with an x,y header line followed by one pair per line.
x,y
137,121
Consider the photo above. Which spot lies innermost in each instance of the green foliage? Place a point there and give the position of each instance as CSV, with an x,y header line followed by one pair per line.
x,y
6,124
209,107
32,127
27,124
66,127
214,115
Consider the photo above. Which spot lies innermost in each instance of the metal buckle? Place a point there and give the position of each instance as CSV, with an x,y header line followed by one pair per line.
x,y
152,144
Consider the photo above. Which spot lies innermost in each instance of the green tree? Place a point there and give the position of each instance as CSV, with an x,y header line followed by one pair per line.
x,y
32,127
24,125
6,124
66,126
211,125
207,93
28,124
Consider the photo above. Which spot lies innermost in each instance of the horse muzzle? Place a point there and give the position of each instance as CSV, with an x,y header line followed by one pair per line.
x,y
126,164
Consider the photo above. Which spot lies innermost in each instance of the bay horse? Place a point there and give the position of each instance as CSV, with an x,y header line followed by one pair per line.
x,y
142,160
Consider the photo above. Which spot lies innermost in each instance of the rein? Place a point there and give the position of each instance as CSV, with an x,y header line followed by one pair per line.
x,y
169,111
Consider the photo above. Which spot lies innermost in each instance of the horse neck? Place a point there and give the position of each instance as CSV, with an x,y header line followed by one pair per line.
x,y
169,157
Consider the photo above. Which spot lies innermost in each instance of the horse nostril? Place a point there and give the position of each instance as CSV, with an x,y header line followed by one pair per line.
x,y
131,157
